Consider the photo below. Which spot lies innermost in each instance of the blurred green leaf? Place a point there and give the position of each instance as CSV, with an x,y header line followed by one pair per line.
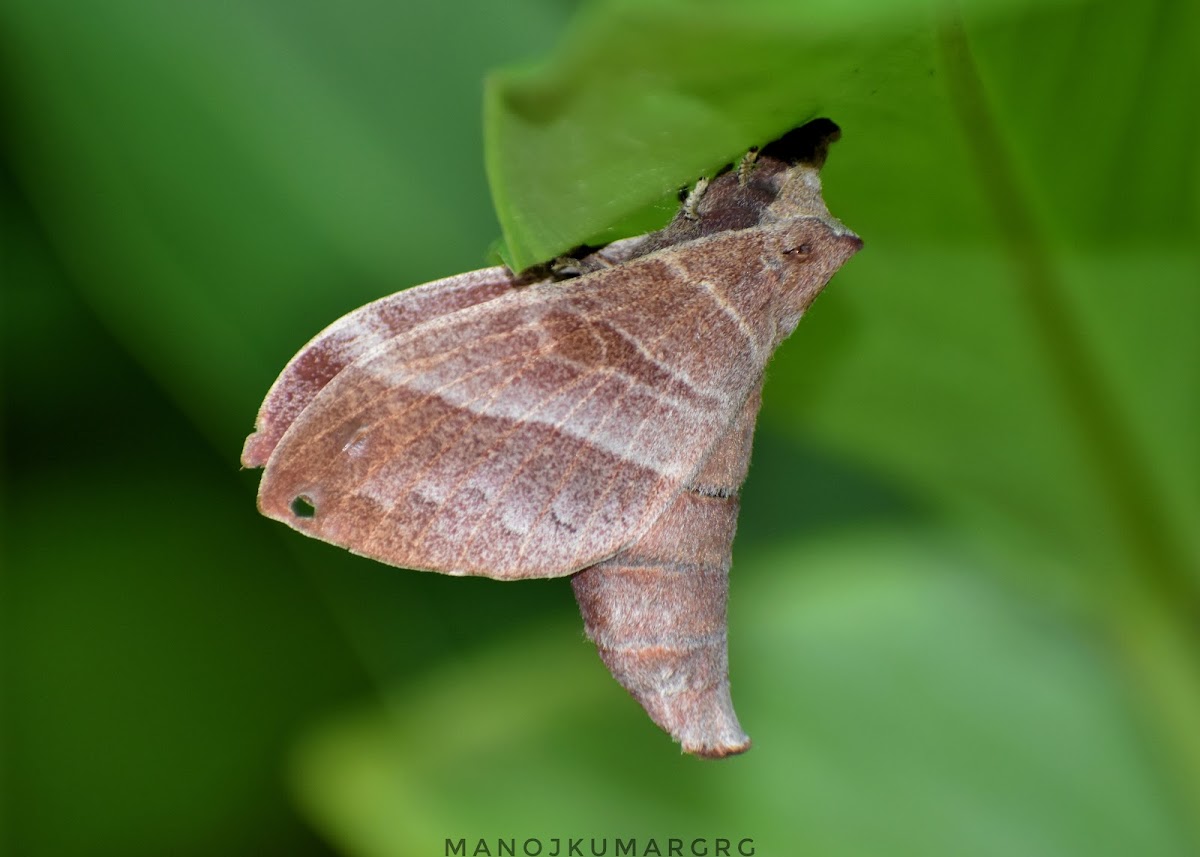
x,y
157,682
976,417
899,704
221,181
1061,358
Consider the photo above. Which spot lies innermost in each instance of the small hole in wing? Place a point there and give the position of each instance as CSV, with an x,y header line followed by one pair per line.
x,y
303,507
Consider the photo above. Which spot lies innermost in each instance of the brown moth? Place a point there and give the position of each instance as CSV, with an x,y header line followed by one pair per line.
x,y
597,427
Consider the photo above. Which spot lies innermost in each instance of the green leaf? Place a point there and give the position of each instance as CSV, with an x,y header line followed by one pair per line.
x,y
641,98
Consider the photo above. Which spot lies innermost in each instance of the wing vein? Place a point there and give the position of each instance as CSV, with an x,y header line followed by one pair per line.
x,y
575,460
492,393
469,472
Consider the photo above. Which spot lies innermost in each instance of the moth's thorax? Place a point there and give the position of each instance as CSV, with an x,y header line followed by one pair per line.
x,y
799,196
767,194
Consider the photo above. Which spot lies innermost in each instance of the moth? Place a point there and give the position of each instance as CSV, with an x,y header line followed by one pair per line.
x,y
591,420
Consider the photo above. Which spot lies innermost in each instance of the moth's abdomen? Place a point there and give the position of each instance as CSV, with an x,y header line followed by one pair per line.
x,y
657,610
656,613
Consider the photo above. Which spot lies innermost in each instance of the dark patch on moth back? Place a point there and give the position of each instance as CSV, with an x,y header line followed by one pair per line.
x,y
808,144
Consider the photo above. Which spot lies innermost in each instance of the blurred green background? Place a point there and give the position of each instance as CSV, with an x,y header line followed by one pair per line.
x,y
965,612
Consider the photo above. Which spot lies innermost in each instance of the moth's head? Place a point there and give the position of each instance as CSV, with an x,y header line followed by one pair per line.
x,y
809,248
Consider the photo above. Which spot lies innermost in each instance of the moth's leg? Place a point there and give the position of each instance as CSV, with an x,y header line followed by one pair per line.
x,y
746,166
569,267
608,256
657,610
691,203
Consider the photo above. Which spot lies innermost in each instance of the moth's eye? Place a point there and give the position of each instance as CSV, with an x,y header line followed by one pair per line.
x,y
302,507
799,253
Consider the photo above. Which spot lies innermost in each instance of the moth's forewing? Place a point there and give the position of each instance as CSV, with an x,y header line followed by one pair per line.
x,y
352,336
363,329
530,435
